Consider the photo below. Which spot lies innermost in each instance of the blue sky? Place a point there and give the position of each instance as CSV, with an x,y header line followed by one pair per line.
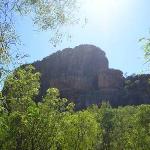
x,y
113,25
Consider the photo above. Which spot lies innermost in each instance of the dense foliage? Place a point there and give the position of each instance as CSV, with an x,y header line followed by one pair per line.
x,y
136,90
53,123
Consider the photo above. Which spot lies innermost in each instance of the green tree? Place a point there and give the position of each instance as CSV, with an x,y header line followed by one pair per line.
x,y
3,122
30,125
79,131
146,47
143,126
53,123
21,88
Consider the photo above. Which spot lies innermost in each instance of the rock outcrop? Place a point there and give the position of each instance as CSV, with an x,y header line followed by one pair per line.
x,y
81,74
110,79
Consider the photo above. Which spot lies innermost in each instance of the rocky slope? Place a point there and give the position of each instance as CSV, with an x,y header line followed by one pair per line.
x,y
82,74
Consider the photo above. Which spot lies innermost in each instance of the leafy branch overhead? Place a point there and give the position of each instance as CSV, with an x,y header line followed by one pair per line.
x,y
46,14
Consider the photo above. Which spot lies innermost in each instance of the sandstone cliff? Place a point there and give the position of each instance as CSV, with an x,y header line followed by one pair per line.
x,y
82,74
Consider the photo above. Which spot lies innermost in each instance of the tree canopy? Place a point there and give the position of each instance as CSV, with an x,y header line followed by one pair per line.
x,y
53,123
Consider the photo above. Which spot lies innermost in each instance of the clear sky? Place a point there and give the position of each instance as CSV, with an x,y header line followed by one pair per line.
x,y
113,25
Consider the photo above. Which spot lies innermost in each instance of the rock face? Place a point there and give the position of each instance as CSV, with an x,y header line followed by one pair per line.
x,y
81,74
110,79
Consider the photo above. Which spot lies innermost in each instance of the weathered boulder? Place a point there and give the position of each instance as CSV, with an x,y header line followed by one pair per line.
x,y
81,74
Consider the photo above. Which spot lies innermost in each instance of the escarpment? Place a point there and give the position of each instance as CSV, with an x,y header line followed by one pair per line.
x,y
82,75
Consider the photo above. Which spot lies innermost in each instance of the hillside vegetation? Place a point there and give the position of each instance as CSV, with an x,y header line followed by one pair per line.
x,y
54,125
